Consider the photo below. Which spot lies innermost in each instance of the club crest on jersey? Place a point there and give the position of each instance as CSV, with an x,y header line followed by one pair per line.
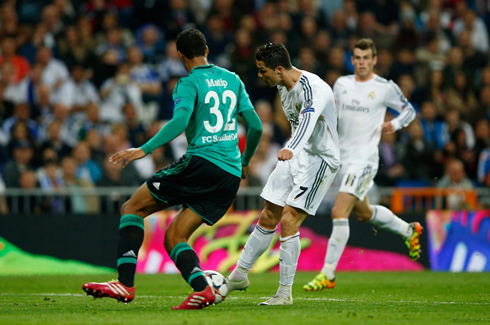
x,y
308,110
372,95
298,106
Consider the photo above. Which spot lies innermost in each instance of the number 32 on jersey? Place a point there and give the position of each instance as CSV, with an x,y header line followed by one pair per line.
x,y
228,97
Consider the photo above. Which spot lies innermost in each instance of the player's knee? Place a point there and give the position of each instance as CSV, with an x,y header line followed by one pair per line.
x,y
170,241
127,208
363,215
339,212
268,220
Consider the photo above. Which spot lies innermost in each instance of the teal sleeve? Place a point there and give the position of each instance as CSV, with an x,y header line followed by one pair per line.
x,y
170,131
253,135
184,95
244,102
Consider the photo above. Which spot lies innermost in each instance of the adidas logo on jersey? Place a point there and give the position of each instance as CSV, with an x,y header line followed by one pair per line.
x,y
157,185
217,83
130,254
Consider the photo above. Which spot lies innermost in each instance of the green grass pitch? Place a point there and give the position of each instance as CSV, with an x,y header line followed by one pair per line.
x,y
359,298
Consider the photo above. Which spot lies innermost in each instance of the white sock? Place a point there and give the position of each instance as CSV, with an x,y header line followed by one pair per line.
x,y
259,241
385,219
288,258
288,262
336,246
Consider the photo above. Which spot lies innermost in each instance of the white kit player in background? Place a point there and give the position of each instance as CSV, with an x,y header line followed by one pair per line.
x,y
362,100
306,168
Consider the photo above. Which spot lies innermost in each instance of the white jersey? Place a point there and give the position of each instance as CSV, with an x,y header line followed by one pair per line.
x,y
362,108
310,108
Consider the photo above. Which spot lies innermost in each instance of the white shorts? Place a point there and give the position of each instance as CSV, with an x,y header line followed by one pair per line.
x,y
301,182
357,179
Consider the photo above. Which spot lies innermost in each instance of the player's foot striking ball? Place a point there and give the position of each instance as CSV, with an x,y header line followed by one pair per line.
x,y
198,300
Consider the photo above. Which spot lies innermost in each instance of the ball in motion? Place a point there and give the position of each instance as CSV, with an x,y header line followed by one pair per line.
x,y
219,283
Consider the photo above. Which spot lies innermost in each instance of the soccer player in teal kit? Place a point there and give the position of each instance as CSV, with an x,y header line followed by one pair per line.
x,y
205,180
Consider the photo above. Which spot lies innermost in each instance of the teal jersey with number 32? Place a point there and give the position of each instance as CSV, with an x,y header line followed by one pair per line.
x,y
214,96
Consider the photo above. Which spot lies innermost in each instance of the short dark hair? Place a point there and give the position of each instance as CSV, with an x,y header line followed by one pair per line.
x,y
366,44
191,43
274,55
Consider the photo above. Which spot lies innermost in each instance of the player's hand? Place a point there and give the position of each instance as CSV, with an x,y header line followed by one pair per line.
x,y
245,171
388,128
127,156
285,154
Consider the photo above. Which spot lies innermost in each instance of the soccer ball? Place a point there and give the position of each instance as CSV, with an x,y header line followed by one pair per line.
x,y
219,283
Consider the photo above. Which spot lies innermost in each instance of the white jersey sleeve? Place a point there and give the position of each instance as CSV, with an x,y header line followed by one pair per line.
x,y
395,99
312,109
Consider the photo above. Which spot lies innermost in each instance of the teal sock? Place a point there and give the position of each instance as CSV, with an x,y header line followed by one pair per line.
x,y
131,234
186,260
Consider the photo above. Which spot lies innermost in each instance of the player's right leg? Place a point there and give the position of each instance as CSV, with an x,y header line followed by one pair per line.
x,y
275,194
259,241
131,233
336,244
382,217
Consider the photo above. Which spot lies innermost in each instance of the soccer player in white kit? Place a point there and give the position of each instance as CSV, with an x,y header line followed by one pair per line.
x,y
307,166
362,100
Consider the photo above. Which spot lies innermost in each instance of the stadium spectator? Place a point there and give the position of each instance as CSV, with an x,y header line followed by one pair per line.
x,y
21,114
113,41
55,72
145,77
55,142
115,92
151,44
136,131
177,18
456,179
477,28
77,202
171,65
435,133
339,28
50,179
22,156
87,168
68,125
19,63
77,93
93,122
461,95
109,22
115,175
454,124
391,169
417,150
28,204
74,51
28,90
217,40
6,105
95,142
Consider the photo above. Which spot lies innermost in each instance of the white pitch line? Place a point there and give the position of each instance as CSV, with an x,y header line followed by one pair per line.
x,y
259,298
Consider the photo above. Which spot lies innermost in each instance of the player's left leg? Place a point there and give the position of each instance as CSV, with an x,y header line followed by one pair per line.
x,y
382,217
131,234
289,252
186,259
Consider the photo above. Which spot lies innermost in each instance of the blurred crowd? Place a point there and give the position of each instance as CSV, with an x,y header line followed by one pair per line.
x,y
80,80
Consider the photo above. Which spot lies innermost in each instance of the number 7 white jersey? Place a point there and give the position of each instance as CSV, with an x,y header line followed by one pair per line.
x,y
310,108
362,108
